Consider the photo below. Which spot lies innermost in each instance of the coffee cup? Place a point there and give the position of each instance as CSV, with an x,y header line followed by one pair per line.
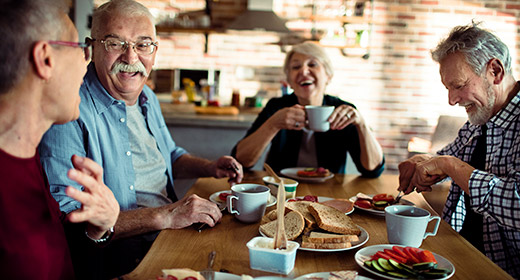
x,y
406,224
318,117
248,202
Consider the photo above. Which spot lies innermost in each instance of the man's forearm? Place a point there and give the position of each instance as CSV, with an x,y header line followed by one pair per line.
x,y
458,170
140,221
188,166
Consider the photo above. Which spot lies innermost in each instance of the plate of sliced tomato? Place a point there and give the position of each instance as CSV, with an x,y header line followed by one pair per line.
x,y
367,202
400,260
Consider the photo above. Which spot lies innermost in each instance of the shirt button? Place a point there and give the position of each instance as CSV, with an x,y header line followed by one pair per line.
x,y
132,187
122,119
128,153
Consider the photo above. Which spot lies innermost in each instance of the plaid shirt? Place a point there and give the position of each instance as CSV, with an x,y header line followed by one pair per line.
x,y
495,191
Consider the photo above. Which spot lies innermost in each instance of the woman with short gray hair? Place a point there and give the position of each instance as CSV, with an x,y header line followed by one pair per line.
x,y
283,123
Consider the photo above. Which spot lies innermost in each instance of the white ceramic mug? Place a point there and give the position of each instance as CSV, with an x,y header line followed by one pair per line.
x,y
248,202
318,117
406,224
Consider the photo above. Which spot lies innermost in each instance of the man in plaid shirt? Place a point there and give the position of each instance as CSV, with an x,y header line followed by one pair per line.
x,y
484,200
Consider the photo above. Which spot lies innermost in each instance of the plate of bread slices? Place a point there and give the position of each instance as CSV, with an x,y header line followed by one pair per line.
x,y
342,204
316,227
308,174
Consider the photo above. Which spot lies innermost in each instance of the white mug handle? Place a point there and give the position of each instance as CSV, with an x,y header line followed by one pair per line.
x,y
229,203
434,232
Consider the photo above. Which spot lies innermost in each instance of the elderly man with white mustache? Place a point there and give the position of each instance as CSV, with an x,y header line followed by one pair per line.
x,y
121,127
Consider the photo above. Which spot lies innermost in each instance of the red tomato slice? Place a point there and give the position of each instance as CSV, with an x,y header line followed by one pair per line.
x,y
411,255
383,197
395,256
363,204
415,252
222,196
426,256
381,254
379,197
311,198
400,251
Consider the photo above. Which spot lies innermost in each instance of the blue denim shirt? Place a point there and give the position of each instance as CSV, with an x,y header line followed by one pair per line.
x,y
101,134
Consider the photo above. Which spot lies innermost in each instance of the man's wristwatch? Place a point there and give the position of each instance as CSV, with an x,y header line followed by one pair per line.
x,y
106,237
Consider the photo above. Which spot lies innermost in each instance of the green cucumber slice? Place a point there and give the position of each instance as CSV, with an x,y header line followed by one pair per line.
x,y
397,274
384,264
424,266
377,267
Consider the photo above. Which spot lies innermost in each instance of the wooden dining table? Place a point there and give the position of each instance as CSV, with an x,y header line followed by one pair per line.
x,y
189,248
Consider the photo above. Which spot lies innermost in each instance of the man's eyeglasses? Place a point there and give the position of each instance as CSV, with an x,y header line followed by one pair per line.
x,y
85,46
145,47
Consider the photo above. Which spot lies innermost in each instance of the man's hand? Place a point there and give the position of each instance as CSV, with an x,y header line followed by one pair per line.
x,y
428,173
407,170
99,206
190,210
227,166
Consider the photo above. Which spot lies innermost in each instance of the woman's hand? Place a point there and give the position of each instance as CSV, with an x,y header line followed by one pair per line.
x,y
289,118
344,115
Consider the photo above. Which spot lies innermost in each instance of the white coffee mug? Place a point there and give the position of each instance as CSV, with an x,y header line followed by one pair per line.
x,y
318,117
248,202
406,224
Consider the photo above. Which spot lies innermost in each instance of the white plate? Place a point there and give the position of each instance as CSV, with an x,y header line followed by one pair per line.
x,y
363,238
226,276
325,276
322,199
293,173
375,211
214,197
366,253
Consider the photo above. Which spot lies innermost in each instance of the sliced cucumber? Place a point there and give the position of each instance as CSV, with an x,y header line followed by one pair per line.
x,y
377,267
424,266
368,263
384,264
380,203
408,270
397,274
395,264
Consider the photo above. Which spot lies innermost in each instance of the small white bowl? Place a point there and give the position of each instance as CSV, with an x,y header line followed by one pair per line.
x,y
263,257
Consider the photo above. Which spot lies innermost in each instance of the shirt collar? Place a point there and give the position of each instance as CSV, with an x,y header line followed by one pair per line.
x,y
508,114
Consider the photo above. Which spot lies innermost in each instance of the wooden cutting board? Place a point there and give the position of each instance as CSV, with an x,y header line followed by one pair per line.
x,y
212,110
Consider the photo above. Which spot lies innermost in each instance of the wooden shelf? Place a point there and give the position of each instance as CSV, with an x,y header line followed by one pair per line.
x,y
204,31
171,29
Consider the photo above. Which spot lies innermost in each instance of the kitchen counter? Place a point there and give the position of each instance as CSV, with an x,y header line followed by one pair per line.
x,y
185,115
206,135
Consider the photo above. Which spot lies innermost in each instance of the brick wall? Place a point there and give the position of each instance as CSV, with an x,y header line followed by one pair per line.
x,y
397,89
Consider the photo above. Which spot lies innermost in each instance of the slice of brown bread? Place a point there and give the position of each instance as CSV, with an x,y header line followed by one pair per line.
x,y
302,207
294,224
307,244
322,237
333,220
269,216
